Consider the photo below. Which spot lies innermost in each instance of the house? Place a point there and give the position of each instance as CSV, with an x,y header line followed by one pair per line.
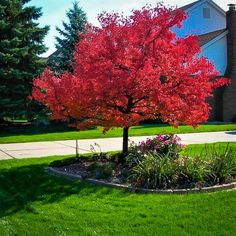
x,y
217,37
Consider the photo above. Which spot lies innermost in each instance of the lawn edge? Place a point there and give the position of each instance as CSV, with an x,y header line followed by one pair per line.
x,y
110,136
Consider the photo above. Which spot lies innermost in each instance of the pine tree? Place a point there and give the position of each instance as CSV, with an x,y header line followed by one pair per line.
x,y
60,61
21,43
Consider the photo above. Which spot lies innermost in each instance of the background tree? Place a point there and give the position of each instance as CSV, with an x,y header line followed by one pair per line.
x,y
21,41
129,70
61,60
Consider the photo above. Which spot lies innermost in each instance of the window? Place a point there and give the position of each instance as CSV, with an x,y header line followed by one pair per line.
x,y
206,13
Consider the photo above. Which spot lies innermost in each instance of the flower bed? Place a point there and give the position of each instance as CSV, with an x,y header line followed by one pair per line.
x,y
159,163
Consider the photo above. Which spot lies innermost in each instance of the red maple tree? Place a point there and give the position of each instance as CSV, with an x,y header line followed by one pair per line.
x,y
132,69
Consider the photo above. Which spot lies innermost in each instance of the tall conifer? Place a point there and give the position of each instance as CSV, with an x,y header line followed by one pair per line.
x,y
21,43
61,60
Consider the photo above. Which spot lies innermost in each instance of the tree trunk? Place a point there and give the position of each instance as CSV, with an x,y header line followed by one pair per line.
x,y
125,140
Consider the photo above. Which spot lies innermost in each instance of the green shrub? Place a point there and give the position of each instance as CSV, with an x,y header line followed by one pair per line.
x,y
132,159
102,170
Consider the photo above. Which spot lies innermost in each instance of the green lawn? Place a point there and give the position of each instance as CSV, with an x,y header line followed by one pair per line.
x,y
33,202
32,134
204,150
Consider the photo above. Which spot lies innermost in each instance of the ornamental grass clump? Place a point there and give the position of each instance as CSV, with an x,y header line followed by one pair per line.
x,y
191,171
155,171
222,163
161,171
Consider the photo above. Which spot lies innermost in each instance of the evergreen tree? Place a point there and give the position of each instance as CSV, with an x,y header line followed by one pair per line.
x,y
21,43
60,61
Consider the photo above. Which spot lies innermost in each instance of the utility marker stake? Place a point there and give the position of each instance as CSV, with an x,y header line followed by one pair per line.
x,y
77,148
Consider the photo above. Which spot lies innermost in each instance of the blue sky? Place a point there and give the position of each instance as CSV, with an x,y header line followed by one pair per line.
x,y
54,11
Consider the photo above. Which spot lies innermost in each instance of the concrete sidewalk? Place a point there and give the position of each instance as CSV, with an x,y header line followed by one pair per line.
x,y
42,149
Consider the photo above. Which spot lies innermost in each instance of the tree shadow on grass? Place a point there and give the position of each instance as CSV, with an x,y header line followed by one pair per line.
x,y
142,126
34,130
21,186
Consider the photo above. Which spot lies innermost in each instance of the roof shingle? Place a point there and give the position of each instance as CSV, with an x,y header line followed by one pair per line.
x,y
205,38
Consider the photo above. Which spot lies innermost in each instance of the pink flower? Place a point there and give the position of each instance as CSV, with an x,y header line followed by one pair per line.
x,y
142,143
160,137
149,141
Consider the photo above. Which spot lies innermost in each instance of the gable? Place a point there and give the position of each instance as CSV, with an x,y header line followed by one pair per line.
x,y
203,17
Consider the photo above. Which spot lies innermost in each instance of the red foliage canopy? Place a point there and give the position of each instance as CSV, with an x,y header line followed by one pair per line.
x,y
132,69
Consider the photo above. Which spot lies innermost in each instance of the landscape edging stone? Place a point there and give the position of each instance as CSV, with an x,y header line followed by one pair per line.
x,y
143,190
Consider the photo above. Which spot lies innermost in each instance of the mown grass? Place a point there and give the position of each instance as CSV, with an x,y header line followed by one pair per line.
x,y
205,150
34,134
33,202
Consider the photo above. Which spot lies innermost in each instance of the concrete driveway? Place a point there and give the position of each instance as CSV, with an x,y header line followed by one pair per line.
x,y
43,149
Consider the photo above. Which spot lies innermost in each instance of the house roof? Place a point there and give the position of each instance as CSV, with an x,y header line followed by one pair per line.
x,y
199,2
53,55
206,38
188,6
